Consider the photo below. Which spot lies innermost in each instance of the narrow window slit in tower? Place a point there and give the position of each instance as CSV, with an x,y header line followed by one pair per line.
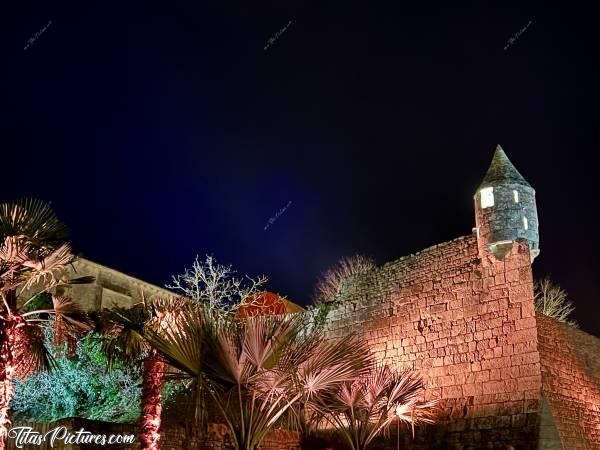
x,y
487,197
525,225
516,196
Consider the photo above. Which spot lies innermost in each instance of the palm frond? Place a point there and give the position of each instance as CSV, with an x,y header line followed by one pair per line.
x,y
332,362
122,330
32,218
228,362
70,321
29,351
365,408
70,312
165,311
180,341
268,339
49,268
14,251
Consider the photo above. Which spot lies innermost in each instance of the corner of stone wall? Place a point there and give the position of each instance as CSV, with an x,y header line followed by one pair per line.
x,y
466,322
570,360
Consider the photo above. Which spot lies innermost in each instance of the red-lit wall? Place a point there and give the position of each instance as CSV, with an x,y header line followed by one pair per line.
x,y
467,325
571,382
262,304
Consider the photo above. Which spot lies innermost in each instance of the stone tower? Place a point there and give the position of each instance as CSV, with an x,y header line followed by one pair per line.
x,y
505,209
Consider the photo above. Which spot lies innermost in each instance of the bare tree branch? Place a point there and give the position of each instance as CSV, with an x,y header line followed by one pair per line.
x,y
328,286
216,286
551,300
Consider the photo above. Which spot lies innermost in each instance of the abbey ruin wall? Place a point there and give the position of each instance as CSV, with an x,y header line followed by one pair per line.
x,y
110,287
571,382
467,325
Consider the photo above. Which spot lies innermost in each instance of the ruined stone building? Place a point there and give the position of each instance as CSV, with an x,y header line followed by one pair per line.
x,y
462,314
110,287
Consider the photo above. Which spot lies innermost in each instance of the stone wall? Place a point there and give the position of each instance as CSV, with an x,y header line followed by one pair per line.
x,y
467,325
173,437
571,383
111,288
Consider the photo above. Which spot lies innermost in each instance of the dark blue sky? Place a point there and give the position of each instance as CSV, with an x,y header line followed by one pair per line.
x,y
164,130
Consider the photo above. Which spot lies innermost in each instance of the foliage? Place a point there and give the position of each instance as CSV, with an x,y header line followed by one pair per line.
x,y
330,283
82,387
320,312
215,286
233,363
122,331
254,371
551,300
324,366
43,300
33,259
366,407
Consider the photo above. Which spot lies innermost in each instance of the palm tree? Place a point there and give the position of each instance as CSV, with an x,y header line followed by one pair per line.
x,y
33,260
319,368
234,364
123,341
365,408
254,371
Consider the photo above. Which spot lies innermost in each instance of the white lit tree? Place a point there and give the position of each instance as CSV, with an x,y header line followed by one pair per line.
x,y
216,286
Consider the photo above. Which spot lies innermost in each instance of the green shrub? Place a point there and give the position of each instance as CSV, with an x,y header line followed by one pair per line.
x,y
81,387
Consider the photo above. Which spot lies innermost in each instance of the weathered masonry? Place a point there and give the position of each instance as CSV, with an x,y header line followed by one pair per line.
x,y
110,288
462,314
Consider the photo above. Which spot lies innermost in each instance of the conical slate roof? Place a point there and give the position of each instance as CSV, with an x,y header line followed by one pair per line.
x,y
502,171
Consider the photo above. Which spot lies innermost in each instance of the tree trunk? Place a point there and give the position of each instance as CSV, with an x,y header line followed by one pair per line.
x,y
152,383
7,372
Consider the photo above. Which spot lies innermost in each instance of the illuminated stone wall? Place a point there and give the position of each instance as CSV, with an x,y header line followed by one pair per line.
x,y
571,382
467,325
174,437
111,288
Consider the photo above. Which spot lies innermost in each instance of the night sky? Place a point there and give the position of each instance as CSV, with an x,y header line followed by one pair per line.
x,y
164,130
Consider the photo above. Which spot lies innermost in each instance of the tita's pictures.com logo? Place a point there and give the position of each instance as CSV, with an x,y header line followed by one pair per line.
x,y
28,436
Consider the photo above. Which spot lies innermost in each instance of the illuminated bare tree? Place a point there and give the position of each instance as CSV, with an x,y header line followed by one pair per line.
x,y
551,300
328,286
215,286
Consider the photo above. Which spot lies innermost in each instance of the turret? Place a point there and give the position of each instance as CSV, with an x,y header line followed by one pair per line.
x,y
505,209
